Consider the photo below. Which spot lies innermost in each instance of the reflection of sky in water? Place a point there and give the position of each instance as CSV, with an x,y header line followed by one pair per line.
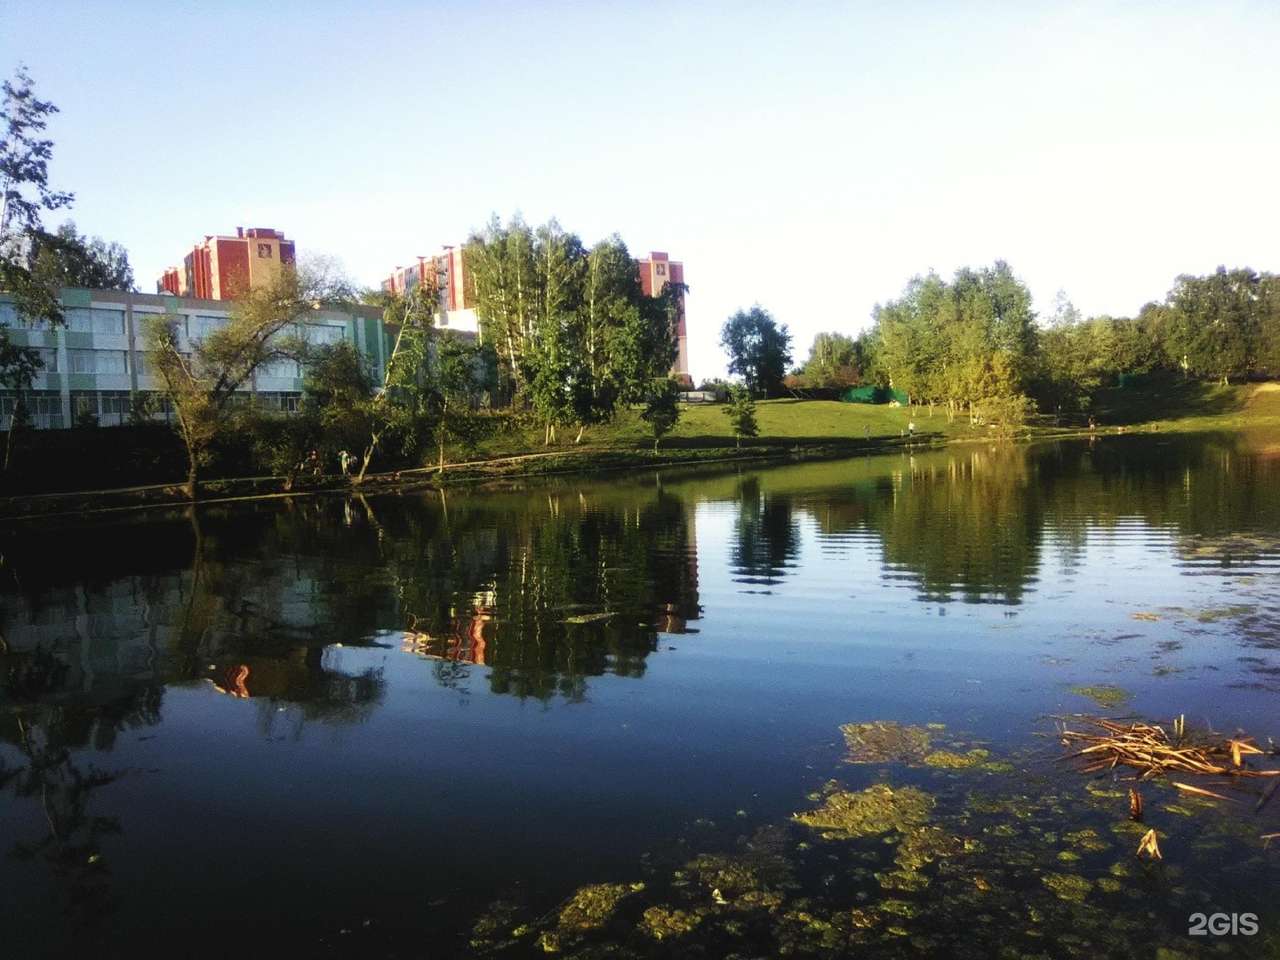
x,y
691,659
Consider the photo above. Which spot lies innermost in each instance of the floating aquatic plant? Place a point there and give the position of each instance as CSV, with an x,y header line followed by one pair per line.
x,y
885,742
591,906
1105,695
875,810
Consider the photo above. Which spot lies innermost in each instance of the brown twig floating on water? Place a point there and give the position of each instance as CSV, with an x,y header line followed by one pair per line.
x,y
1105,744
1135,804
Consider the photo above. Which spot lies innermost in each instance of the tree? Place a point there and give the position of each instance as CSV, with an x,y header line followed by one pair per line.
x,y
835,361
759,349
959,342
500,267
741,411
661,408
627,338
574,333
18,367
331,416
398,406
1213,324
460,373
24,193
202,378
72,260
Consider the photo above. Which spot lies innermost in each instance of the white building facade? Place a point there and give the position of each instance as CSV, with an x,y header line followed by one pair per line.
x,y
95,365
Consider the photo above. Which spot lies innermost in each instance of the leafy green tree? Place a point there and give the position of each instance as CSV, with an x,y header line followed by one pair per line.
x,y
332,415
835,361
574,334
662,408
741,411
72,260
462,372
627,338
959,342
201,379
1269,323
18,368
1214,324
24,193
398,408
500,265
759,349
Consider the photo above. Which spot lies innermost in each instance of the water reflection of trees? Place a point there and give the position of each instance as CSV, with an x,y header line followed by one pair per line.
x,y
547,591
43,764
974,523
766,536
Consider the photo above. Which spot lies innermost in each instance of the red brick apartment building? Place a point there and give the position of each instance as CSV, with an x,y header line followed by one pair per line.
x,y
222,268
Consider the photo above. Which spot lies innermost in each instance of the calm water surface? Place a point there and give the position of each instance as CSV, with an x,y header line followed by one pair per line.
x,y
362,726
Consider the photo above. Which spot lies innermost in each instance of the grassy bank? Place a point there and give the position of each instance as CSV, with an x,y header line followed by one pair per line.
x,y
789,429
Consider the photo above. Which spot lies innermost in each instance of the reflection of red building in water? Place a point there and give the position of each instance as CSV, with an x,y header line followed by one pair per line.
x,y
464,643
655,273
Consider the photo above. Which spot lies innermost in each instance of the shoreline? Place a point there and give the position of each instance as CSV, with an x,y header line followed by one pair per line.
x,y
585,461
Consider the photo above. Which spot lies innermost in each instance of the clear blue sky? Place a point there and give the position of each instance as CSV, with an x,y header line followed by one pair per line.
x,y
811,157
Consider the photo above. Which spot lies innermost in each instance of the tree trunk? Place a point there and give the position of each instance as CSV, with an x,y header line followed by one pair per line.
x,y
364,461
193,475
581,428
655,444
8,443
444,413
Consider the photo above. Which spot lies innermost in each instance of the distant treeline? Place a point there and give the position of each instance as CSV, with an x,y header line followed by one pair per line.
x,y
975,340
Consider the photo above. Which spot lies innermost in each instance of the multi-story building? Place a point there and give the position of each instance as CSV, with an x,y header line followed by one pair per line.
x,y
456,309
96,363
656,271
222,268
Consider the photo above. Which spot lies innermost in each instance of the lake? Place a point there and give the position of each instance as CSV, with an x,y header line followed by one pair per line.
x,y
581,714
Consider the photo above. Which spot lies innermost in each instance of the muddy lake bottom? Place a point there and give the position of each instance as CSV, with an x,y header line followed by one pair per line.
x,y
802,710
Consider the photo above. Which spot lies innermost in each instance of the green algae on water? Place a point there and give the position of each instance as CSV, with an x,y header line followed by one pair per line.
x,y
1067,886
1105,695
875,810
592,906
948,760
885,741
662,923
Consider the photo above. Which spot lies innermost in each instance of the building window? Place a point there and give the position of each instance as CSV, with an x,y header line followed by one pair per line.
x,y
280,370
9,317
264,251
660,269
95,320
323,333
98,361
202,326
50,358
115,403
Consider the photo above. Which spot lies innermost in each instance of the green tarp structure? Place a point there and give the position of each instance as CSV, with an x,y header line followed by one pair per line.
x,y
872,395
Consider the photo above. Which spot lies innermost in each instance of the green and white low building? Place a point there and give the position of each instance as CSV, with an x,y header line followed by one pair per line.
x,y
95,364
